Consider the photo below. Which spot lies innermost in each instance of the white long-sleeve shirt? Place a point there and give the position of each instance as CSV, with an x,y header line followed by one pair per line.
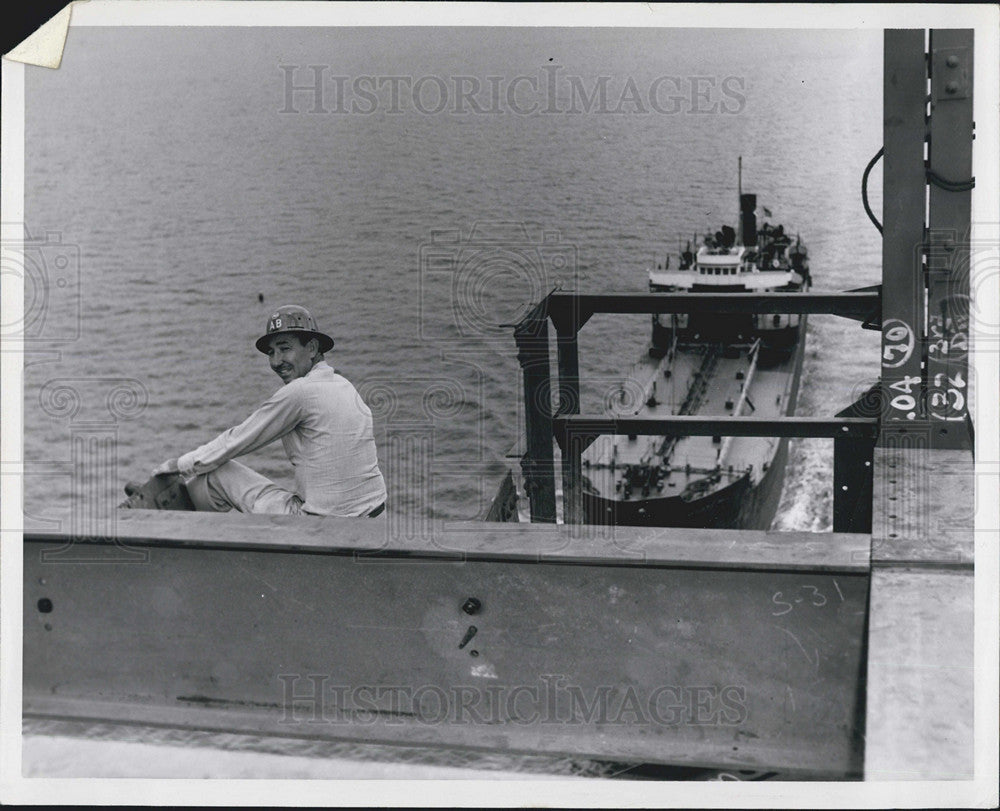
x,y
327,432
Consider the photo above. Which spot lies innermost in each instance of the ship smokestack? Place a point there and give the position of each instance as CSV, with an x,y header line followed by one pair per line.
x,y
748,219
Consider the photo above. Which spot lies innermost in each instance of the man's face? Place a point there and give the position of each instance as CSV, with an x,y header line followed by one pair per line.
x,y
290,359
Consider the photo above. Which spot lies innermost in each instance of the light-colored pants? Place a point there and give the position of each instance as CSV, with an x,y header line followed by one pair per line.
x,y
235,485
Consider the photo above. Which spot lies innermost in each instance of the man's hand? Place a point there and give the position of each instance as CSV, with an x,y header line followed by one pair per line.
x,y
170,466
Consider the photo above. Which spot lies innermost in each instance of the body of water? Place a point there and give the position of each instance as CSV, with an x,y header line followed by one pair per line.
x,y
186,173
192,181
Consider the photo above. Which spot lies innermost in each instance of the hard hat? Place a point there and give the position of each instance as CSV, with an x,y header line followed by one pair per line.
x,y
292,319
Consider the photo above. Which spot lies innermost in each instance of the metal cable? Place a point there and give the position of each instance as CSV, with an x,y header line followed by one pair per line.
x,y
932,177
864,188
951,185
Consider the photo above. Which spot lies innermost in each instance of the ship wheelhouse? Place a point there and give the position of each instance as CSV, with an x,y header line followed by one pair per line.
x,y
747,261
721,262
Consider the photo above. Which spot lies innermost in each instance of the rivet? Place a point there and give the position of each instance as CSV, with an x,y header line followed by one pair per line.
x,y
952,61
951,87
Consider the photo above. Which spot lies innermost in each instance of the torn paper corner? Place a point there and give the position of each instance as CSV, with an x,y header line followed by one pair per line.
x,y
45,46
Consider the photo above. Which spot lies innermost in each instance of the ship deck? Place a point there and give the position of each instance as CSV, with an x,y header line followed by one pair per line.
x,y
692,458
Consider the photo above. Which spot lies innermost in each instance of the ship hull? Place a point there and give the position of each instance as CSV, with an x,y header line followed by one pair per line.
x,y
742,504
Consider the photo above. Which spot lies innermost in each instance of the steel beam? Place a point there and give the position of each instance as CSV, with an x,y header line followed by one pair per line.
x,y
860,305
458,542
904,200
950,172
921,711
277,625
568,368
532,337
809,427
852,484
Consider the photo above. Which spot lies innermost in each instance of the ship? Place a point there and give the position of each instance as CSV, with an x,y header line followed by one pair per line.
x,y
703,364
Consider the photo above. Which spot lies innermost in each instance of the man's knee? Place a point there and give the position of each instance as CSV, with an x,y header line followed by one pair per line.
x,y
230,485
201,495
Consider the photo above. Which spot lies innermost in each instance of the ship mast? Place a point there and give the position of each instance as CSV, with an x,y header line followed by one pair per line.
x,y
739,200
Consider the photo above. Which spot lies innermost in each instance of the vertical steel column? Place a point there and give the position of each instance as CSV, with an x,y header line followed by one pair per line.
x,y
532,337
572,447
903,207
568,368
852,484
854,468
950,174
568,362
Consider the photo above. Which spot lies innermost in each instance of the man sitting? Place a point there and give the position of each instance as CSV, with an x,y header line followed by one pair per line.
x,y
321,420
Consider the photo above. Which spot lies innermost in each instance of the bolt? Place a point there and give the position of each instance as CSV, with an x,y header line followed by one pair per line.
x,y
471,606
